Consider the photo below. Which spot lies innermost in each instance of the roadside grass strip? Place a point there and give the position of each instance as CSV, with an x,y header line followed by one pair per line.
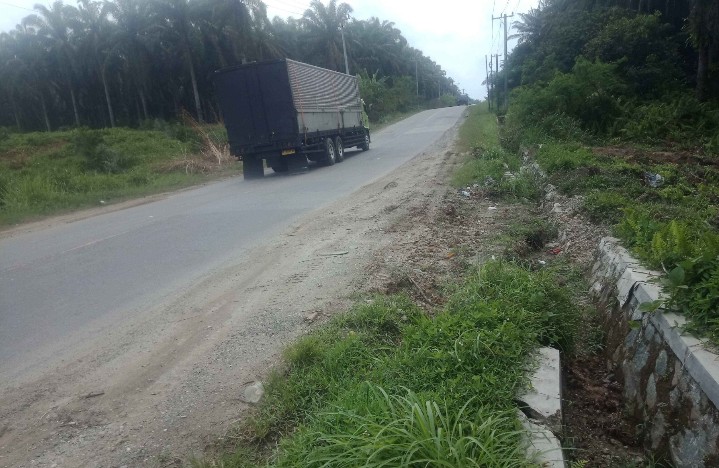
x,y
47,173
388,385
666,213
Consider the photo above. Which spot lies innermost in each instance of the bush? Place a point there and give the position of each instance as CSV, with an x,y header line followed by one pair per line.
x,y
90,144
588,98
605,207
645,51
681,120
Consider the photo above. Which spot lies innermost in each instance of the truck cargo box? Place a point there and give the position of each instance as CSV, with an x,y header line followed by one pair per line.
x,y
285,108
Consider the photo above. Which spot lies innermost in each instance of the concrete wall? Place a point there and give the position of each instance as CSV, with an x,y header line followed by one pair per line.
x,y
670,379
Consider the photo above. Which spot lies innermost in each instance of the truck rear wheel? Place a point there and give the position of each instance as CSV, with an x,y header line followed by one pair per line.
x,y
330,154
365,145
339,150
252,168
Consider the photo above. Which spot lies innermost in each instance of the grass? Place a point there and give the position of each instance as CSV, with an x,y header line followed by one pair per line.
x,y
673,225
479,130
388,385
47,173
490,168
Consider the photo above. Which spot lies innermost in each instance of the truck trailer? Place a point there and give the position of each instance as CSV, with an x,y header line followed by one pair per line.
x,y
288,113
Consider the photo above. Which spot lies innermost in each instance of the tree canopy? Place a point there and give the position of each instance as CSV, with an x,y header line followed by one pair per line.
x,y
658,46
121,62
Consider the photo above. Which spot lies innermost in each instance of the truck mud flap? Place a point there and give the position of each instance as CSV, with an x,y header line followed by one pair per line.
x,y
297,163
253,168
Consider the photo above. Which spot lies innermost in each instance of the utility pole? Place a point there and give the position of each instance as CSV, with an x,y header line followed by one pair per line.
x,y
416,76
494,85
486,71
344,49
506,76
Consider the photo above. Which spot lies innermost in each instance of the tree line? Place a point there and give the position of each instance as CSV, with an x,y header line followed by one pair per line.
x,y
123,62
642,71
657,45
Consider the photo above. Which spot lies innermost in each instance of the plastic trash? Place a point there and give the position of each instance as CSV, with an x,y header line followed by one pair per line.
x,y
653,180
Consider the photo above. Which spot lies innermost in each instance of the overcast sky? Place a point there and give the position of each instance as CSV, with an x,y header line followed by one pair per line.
x,y
457,34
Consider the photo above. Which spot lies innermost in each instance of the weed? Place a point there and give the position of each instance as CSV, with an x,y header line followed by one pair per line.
x,y
407,430
605,207
479,130
387,385
537,233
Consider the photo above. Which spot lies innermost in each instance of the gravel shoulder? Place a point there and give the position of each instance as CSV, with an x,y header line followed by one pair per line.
x,y
171,384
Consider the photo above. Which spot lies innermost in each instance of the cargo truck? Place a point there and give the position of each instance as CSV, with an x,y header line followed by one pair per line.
x,y
288,113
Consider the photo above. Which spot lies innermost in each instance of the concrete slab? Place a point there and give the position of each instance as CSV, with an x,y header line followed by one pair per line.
x,y
543,400
541,444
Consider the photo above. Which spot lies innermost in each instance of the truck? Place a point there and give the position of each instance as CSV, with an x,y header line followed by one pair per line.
x,y
286,113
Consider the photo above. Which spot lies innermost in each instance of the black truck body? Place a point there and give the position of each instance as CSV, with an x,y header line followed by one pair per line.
x,y
288,113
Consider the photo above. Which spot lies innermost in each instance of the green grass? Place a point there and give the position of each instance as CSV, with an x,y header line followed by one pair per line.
x,y
674,227
387,385
489,167
479,130
47,173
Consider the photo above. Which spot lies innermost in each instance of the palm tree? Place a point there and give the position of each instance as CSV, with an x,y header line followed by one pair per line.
x,y
53,26
133,43
176,25
268,42
323,24
96,32
30,64
11,73
379,46
703,28
530,26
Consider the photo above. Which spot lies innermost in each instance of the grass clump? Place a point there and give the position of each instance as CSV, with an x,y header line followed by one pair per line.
x,y
406,430
388,385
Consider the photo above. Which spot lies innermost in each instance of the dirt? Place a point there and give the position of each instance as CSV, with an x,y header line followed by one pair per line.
x,y
158,392
647,156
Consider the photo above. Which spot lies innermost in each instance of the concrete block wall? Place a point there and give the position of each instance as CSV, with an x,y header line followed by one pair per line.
x,y
670,379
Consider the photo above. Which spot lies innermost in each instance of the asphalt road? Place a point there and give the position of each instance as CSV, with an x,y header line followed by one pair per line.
x,y
69,281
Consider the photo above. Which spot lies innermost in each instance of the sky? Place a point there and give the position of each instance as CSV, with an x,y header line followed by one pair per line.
x,y
456,34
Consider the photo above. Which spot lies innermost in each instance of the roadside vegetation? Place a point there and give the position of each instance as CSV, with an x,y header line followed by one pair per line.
x,y
387,384
394,382
45,173
624,111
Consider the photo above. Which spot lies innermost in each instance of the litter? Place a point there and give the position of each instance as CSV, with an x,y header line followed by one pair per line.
x,y
653,180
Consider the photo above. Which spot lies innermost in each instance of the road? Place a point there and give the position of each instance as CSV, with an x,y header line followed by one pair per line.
x,y
69,283
127,332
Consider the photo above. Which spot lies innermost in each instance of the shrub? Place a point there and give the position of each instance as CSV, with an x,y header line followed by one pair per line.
x,y
90,144
605,207
589,95
682,120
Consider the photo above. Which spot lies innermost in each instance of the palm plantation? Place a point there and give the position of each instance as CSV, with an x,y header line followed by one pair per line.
x,y
124,62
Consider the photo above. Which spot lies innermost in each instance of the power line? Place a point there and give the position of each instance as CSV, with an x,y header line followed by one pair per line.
x,y
505,8
16,6
275,7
